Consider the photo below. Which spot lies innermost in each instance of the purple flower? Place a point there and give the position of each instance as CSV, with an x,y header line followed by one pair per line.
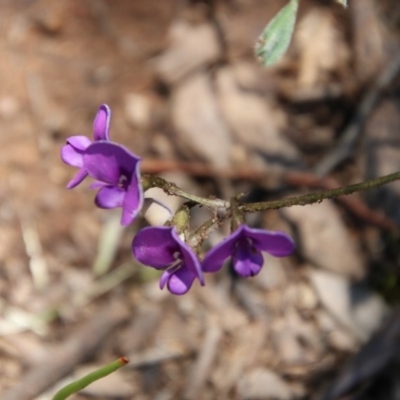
x,y
162,249
72,152
245,246
117,173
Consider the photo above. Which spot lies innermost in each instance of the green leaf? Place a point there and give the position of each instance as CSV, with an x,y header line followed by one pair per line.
x,y
80,384
275,39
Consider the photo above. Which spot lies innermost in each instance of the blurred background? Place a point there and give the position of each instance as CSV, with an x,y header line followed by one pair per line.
x,y
188,95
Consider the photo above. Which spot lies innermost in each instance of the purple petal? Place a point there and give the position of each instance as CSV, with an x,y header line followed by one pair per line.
x,y
216,257
101,124
246,259
133,200
97,185
78,178
178,282
110,197
72,152
155,247
278,244
71,157
190,259
109,162
79,142
166,275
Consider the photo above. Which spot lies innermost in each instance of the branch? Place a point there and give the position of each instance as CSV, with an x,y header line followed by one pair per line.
x,y
319,196
170,188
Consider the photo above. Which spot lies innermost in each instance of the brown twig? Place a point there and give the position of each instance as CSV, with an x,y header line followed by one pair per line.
x,y
352,202
292,178
62,358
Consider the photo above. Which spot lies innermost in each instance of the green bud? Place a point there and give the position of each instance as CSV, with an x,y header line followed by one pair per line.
x,y
181,219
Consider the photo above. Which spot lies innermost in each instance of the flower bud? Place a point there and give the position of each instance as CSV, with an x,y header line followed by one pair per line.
x,y
181,219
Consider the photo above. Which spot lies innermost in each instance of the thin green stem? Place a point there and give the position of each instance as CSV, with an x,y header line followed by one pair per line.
x,y
319,196
171,189
78,385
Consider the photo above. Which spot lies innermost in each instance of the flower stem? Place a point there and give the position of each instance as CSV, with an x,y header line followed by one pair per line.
x,y
171,189
198,236
319,196
90,378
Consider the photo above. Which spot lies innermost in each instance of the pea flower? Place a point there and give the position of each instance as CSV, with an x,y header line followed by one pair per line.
x,y
117,172
162,249
245,246
72,152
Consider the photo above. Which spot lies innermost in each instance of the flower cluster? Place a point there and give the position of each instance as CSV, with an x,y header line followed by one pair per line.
x,y
115,169
116,172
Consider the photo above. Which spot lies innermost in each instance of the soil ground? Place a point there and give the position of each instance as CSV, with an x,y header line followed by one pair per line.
x,y
58,62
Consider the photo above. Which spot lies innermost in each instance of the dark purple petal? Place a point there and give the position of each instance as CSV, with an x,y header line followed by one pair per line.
x,y
178,282
246,259
155,247
278,244
133,200
109,162
110,197
101,124
216,257
78,178
189,259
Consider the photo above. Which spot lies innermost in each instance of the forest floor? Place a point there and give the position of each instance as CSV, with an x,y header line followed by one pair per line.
x,y
189,97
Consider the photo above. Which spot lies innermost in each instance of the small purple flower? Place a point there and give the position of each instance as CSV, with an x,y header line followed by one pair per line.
x,y
162,249
72,152
245,246
117,172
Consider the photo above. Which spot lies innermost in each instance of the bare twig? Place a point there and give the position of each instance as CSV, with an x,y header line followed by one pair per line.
x,y
319,196
353,203
150,181
293,178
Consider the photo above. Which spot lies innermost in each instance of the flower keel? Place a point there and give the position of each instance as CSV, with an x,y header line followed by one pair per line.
x,y
161,248
117,171
245,246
